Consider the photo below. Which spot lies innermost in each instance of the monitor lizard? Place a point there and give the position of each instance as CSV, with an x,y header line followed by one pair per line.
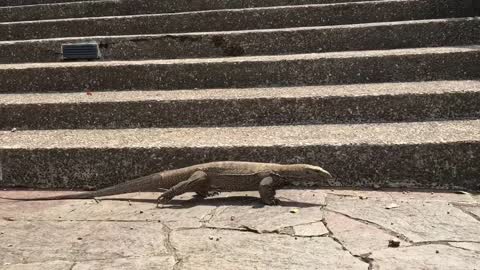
x,y
214,176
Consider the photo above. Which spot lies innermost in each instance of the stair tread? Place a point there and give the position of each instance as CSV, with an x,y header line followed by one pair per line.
x,y
285,7
239,32
353,90
435,132
266,58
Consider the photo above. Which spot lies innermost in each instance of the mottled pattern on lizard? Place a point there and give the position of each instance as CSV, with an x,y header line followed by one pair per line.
x,y
214,176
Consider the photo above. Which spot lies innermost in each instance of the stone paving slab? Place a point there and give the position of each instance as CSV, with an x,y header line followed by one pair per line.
x,y
310,229
438,257
299,211
243,250
395,215
147,263
39,241
358,237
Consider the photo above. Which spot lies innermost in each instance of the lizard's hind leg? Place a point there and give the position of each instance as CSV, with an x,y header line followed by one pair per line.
x,y
267,189
198,182
205,190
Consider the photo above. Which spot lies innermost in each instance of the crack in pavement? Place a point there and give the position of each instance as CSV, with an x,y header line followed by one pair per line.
x,y
281,230
445,243
88,220
170,247
367,259
242,228
75,262
246,228
73,265
465,211
342,195
378,226
212,214
332,236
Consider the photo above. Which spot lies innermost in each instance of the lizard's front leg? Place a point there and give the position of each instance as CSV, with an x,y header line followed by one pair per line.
x,y
267,189
198,181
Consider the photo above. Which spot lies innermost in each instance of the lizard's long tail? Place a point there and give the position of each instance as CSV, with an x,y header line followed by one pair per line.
x,y
149,182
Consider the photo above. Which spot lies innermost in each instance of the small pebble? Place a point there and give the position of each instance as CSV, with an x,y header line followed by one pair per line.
x,y
211,237
14,129
232,218
436,251
141,212
79,238
393,243
131,228
391,206
10,245
294,210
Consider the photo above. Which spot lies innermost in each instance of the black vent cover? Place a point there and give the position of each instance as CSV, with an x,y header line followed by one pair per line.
x,y
80,51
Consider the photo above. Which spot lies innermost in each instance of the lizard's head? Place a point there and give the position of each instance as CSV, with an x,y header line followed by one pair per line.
x,y
304,172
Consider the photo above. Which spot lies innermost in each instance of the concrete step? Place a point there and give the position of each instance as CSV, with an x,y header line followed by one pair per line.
x,y
418,154
132,7
236,19
37,2
371,36
404,65
387,102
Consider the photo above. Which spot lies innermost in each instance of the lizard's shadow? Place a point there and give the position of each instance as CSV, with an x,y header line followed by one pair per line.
x,y
221,201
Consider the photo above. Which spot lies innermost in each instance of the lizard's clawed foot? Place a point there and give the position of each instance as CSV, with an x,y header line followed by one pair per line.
x,y
213,193
164,198
273,201
206,194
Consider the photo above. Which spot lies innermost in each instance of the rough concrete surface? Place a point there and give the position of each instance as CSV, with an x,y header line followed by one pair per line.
x,y
369,36
378,66
8,3
357,103
310,229
442,154
71,9
235,19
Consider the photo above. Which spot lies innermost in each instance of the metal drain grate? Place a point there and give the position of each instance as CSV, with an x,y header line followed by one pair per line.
x,y
80,51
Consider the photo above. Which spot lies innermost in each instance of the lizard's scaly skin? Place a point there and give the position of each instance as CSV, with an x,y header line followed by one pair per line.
x,y
222,176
